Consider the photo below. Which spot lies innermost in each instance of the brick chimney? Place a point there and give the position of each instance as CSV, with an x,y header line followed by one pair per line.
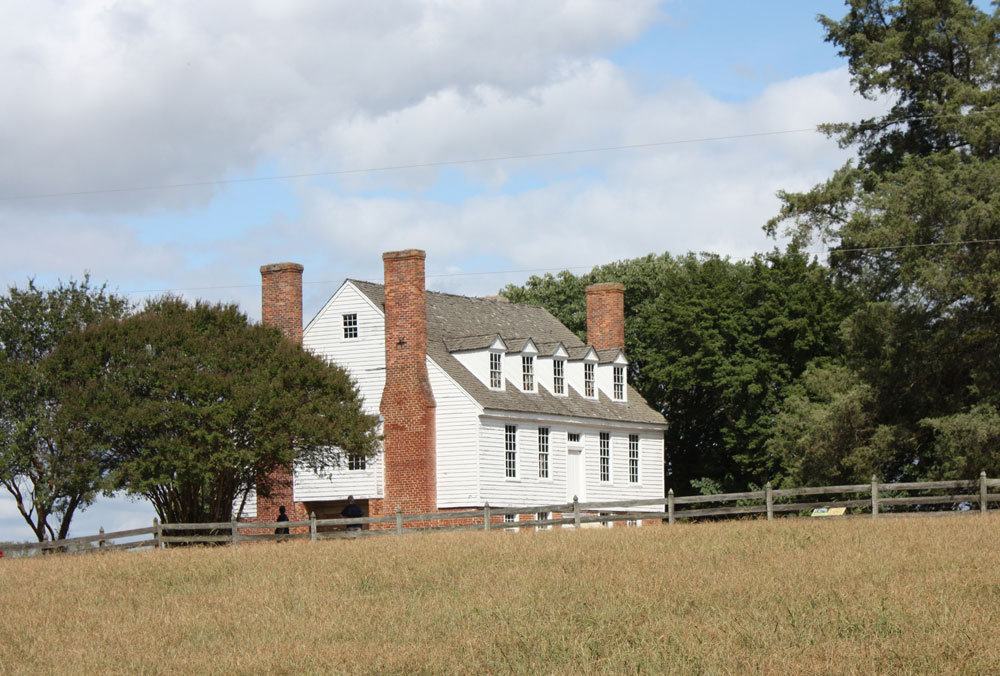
x,y
606,316
281,298
407,405
281,306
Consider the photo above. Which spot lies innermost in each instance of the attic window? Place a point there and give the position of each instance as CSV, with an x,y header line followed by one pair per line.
x,y
619,383
528,373
588,380
496,370
351,326
558,379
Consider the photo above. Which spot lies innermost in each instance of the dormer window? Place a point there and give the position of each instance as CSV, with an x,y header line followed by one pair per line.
x,y
619,383
528,373
588,380
558,376
496,370
350,326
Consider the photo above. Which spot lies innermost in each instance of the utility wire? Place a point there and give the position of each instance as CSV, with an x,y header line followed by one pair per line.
x,y
573,267
398,167
459,162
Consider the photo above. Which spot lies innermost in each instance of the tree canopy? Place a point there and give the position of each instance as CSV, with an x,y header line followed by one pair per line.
x,y
914,222
192,404
49,477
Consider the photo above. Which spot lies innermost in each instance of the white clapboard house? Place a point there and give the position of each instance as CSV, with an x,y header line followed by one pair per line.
x,y
482,400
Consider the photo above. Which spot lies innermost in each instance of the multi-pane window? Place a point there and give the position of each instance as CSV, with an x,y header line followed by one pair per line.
x,y
573,437
509,518
355,461
558,379
588,380
542,516
633,458
496,370
543,452
510,444
351,325
605,456
619,383
528,373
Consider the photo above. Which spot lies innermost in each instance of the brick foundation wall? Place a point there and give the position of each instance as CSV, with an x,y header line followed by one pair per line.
x,y
407,406
606,316
281,306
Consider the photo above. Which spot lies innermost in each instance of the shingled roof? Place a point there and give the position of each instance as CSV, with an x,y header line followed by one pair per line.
x,y
461,322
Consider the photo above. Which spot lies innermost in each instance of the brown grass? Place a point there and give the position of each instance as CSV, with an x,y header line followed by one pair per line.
x,y
914,596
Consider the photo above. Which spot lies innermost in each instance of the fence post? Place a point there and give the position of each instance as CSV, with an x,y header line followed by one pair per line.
x,y
232,528
874,496
486,517
312,526
158,533
769,501
399,520
670,506
982,491
576,512
100,543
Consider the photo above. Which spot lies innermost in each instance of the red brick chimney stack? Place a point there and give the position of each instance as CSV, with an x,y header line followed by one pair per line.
x,y
606,316
407,405
281,298
281,306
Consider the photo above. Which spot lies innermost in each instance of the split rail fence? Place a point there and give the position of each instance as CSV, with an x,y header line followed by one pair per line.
x,y
881,500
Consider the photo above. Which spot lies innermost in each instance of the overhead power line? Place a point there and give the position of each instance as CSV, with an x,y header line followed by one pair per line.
x,y
571,267
399,167
455,162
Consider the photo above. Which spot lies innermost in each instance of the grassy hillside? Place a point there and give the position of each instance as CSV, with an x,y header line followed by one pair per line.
x,y
904,596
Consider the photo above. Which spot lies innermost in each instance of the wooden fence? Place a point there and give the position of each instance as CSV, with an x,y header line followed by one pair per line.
x,y
881,500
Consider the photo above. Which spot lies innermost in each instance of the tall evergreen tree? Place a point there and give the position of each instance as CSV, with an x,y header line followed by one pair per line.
x,y
914,221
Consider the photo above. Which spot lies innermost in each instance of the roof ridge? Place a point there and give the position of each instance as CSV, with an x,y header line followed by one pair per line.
x,y
457,295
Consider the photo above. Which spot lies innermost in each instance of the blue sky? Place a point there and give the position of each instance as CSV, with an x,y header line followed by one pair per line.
x,y
121,95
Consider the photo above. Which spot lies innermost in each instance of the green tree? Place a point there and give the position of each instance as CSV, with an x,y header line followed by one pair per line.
x,y
913,222
713,345
193,404
50,478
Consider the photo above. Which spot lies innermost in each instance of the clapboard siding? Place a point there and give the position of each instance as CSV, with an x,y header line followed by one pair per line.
x,y
364,359
528,489
651,480
456,426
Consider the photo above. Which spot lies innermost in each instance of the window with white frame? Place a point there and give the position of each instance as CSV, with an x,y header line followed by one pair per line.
x,y
510,457
558,377
528,373
543,516
588,380
496,370
619,383
351,325
509,518
633,458
356,462
572,437
605,456
543,452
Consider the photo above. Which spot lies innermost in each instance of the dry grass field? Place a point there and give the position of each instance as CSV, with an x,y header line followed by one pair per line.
x,y
823,597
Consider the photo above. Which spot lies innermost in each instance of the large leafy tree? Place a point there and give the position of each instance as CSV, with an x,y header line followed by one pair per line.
x,y
49,477
714,345
914,221
193,404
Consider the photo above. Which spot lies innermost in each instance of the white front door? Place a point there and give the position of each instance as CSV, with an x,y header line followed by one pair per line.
x,y
574,473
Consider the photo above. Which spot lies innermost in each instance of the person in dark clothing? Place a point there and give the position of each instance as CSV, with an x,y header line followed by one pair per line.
x,y
281,517
352,511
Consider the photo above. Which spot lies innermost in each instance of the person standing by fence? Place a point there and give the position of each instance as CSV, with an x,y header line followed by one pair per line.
x,y
352,511
280,530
